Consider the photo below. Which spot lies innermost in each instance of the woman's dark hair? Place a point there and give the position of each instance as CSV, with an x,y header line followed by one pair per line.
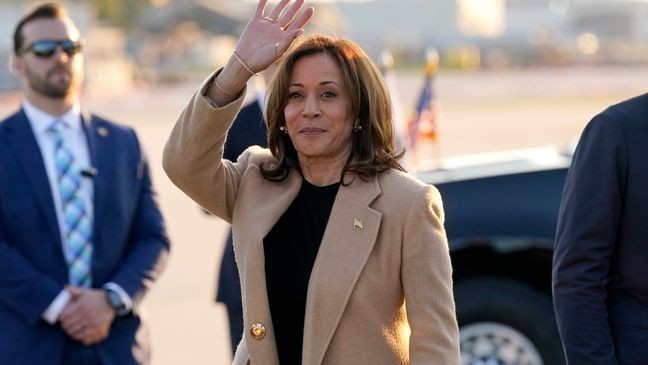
x,y
373,148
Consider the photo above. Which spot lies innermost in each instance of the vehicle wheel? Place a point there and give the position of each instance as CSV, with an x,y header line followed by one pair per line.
x,y
505,322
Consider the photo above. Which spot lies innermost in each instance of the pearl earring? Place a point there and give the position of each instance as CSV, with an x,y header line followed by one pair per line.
x,y
356,126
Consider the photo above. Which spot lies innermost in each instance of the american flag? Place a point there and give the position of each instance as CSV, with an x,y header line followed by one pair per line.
x,y
424,122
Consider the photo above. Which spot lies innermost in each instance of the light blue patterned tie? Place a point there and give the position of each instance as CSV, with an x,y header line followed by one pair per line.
x,y
77,247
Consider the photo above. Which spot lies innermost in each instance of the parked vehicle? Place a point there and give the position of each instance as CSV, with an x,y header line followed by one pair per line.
x,y
501,212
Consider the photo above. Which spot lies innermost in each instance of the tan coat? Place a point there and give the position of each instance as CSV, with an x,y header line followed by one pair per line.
x,y
382,270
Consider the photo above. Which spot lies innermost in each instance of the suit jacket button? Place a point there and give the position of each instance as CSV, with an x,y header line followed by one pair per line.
x,y
257,331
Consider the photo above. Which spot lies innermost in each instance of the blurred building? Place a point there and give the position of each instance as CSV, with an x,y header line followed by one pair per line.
x,y
177,40
612,31
8,16
502,33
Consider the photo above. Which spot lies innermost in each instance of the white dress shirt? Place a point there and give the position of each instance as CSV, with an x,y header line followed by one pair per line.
x,y
76,141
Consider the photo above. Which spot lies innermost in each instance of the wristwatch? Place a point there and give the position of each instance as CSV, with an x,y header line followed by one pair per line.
x,y
115,301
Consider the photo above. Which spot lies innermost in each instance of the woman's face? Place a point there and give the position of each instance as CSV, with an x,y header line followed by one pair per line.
x,y
319,115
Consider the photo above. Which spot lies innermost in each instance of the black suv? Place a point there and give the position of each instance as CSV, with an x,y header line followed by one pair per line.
x,y
501,211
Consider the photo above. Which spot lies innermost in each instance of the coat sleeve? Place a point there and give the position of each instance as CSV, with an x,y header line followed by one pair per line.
x,y
427,283
23,288
585,238
193,154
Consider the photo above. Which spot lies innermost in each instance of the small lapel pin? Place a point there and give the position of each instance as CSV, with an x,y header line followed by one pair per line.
x,y
357,224
102,131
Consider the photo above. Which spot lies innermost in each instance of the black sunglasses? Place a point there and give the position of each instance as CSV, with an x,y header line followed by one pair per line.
x,y
47,47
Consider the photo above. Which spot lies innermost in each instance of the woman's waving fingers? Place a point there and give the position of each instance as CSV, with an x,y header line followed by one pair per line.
x,y
301,21
287,17
275,13
267,37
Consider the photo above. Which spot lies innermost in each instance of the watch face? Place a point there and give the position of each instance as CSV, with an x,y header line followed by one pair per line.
x,y
115,300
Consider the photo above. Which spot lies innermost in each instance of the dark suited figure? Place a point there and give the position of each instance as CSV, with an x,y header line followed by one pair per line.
x,y
600,274
81,236
248,129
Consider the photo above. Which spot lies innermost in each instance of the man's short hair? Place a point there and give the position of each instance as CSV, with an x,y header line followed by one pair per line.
x,y
49,10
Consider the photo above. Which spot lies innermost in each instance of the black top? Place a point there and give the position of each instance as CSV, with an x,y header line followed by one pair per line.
x,y
290,251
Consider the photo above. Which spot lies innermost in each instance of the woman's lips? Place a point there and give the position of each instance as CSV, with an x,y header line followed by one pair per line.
x,y
312,131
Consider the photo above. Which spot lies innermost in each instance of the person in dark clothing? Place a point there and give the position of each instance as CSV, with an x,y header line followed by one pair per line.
x,y
342,255
600,266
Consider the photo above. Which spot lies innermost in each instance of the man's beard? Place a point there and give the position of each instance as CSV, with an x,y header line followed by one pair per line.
x,y
56,90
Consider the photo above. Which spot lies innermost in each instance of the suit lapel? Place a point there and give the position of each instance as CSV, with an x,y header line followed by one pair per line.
x,y
346,246
25,148
98,148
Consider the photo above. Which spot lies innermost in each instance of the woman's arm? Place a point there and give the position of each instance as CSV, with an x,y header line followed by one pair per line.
x,y
267,36
427,282
193,153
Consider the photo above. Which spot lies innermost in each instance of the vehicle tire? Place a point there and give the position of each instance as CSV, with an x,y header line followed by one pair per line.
x,y
506,322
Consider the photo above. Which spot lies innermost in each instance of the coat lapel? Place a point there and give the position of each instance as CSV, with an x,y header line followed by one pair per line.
x,y
98,150
346,246
25,148
261,219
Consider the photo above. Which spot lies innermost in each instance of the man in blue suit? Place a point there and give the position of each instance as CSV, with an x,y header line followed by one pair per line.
x,y
600,274
248,129
81,236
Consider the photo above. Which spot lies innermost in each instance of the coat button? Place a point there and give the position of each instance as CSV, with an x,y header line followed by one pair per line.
x,y
257,331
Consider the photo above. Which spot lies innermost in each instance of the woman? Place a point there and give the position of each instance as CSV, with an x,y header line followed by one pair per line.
x,y
343,257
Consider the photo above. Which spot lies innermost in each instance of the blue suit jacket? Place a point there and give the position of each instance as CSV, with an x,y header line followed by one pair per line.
x,y
129,240
600,274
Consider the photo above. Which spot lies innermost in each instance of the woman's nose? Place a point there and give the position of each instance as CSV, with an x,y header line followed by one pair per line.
x,y
311,108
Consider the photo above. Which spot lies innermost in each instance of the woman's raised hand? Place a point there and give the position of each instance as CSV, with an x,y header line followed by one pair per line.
x,y
269,34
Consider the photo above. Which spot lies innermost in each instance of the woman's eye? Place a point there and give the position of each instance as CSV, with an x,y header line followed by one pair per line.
x,y
294,95
328,94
